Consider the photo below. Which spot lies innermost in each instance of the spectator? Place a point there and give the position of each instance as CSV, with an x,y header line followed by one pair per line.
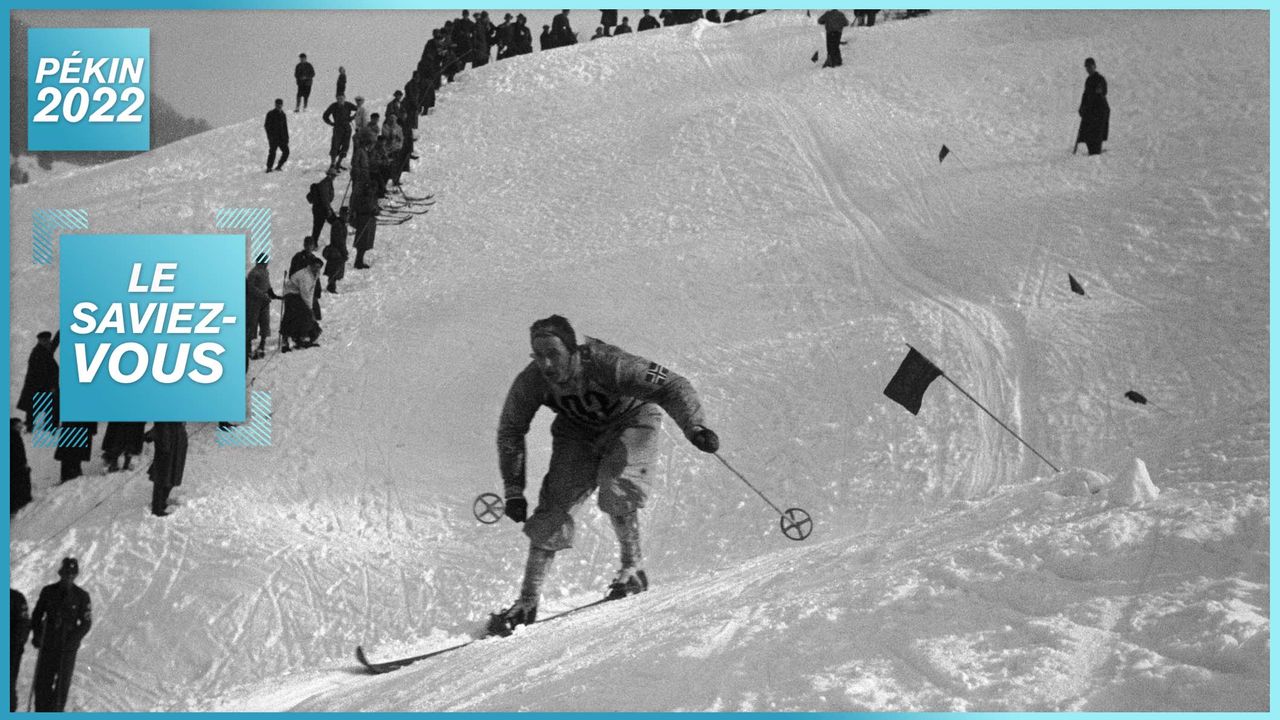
x,y
168,465
544,40
61,620
19,471
122,438
19,631
42,376
342,81
71,458
277,127
339,115
321,198
608,19
258,297
303,74
647,22
522,38
835,22
299,322
561,33
1095,112
335,253
623,28
600,33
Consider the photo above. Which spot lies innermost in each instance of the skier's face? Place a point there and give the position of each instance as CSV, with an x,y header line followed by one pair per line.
x,y
553,359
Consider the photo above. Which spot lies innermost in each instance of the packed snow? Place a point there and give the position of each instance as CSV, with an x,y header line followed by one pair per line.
x,y
707,197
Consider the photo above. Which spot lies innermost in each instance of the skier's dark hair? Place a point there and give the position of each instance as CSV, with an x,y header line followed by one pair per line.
x,y
555,326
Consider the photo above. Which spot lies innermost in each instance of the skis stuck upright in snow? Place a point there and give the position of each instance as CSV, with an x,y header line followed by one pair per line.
x,y
378,668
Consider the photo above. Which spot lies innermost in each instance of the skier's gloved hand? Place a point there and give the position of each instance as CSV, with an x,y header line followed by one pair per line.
x,y
704,439
517,508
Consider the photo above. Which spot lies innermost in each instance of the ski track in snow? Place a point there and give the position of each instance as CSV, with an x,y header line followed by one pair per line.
x,y
708,199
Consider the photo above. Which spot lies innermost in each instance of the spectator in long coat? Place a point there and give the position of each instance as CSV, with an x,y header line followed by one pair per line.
x,y
42,374
480,40
561,33
835,22
72,457
608,18
168,465
521,37
1095,112
277,127
62,618
504,38
122,438
342,81
19,471
19,631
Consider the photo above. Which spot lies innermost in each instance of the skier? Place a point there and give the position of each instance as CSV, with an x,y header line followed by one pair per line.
x,y
299,321
277,127
168,465
608,407
121,438
303,74
19,631
1095,112
835,22
61,620
42,375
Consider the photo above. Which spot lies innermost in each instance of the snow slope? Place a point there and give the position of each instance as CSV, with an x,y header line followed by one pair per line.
x,y
706,197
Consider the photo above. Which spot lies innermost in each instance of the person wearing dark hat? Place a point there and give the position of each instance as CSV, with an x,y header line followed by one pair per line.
x,y
608,405
19,631
19,471
303,74
545,41
504,38
61,620
1095,112
277,127
42,375
168,465
561,33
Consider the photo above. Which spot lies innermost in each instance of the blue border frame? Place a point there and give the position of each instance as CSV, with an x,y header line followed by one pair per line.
x,y
573,4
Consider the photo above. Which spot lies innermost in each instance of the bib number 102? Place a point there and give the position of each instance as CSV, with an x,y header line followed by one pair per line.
x,y
76,104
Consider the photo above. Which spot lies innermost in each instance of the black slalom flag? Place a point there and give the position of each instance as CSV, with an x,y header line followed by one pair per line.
x,y
912,379
1136,396
942,154
1076,287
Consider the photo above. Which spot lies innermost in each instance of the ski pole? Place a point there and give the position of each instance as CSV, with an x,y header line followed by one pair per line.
x,y
795,522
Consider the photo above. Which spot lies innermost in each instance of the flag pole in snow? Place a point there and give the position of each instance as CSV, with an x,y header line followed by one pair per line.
x,y
913,377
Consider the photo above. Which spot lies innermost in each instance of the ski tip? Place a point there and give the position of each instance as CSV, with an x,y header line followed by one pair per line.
x,y
361,656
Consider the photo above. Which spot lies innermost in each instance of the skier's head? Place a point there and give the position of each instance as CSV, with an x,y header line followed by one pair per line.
x,y
308,243
554,347
359,99
302,56
279,103
1090,65
70,568
44,337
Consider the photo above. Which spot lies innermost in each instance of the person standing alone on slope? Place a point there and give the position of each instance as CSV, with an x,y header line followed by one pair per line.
x,y
608,406
1095,112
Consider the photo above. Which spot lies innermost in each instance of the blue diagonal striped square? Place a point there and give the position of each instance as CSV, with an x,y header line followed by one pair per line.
x,y
45,225
256,220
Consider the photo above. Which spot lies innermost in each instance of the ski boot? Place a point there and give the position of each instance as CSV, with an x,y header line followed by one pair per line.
x,y
504,623
628,581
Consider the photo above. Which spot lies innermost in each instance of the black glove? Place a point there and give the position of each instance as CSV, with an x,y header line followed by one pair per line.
x,y
517,508
704,439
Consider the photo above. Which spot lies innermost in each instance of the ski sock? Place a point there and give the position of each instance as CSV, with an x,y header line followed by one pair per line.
x,y
535,571
627,528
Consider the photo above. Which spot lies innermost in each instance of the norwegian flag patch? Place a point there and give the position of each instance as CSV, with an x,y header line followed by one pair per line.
x,y
656,374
